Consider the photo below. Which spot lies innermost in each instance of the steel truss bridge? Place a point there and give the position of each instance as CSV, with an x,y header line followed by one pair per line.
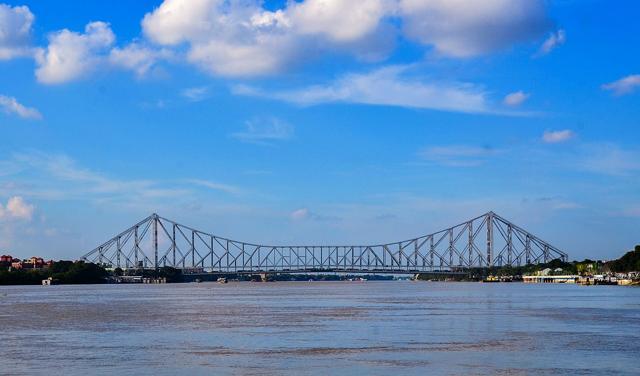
x,y
484,241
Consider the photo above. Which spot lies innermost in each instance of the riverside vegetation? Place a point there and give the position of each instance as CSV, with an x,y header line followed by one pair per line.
x,y
63,272
80,272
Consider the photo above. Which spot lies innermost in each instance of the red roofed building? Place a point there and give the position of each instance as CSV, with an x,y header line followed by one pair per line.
x,y
31,263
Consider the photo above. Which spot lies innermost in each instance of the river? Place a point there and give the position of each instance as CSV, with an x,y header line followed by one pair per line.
x,y
320,328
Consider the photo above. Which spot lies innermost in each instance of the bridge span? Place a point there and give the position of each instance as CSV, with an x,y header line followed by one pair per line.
x,y
484,241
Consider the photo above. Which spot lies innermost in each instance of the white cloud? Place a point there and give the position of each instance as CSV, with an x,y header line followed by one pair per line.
x,y
340,21
555,137
71,55
17,208
176,21
461,28
306,214
553,203
242,38
263,131
457,155
610,159
554,40
215,186
137,57
15,31
385,86
515,98
300,214
225,38
195,94
58,177
11,106
625,85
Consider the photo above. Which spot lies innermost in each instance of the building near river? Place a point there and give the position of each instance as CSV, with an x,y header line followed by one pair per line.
x,y
30,263
550,278
7,260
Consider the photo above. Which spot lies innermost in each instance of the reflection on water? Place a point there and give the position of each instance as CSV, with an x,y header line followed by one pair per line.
x,y
320,328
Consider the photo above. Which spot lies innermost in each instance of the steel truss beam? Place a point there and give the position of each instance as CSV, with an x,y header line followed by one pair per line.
x,y
484,241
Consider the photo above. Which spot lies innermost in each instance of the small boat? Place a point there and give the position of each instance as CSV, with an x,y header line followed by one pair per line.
x,y
222,280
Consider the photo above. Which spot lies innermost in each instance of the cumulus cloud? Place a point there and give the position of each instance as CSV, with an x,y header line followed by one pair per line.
x,y
458,155
264,131
554,40
461,28
10,105
225,38
71,55
16,208
515,98
242,38
386,86
556,137
15,31
625,85
341,21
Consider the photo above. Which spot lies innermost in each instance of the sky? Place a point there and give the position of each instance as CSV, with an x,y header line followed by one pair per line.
x,y
319,121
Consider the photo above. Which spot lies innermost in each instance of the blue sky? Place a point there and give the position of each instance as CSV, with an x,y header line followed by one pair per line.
x,y
319,121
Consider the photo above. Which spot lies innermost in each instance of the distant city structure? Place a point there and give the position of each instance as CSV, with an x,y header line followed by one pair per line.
x,y
30,263
485,241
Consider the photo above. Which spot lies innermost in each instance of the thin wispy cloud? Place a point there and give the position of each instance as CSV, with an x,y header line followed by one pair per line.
x,y
303,214
556,137
554,40
633,211
609,159
59,177
215,186
623,86
195,94
11,106
387,86
138,57
553,203
265,131
457,155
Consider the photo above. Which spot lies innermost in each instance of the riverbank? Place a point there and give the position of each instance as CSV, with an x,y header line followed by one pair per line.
x,y
59,272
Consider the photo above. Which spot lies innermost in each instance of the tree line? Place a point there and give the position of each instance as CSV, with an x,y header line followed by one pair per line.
x,y
63,272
